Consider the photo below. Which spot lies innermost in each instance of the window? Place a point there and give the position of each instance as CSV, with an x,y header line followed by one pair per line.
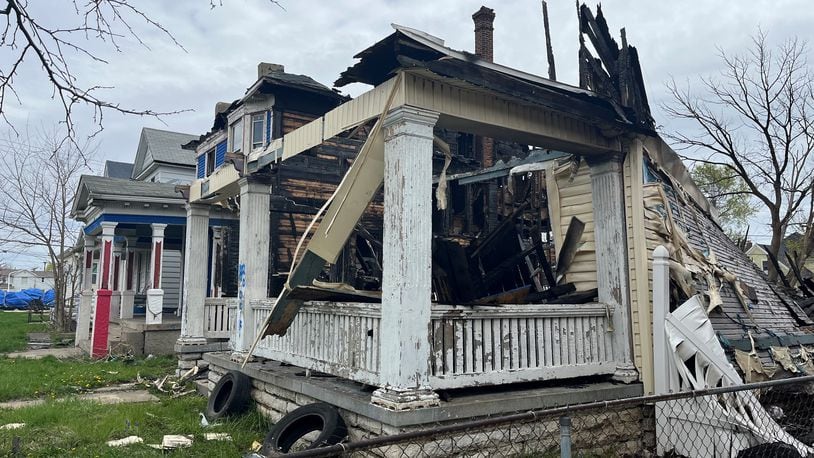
x,y
258,130
237,136
766,266
210,161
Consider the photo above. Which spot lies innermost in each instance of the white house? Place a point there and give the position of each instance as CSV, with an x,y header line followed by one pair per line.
x,y
19,280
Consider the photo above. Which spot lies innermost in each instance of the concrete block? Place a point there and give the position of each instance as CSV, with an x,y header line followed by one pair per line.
x,y
264,411
189,356
369,425
202,364
135,340
186,365
279,392
302,400
262,398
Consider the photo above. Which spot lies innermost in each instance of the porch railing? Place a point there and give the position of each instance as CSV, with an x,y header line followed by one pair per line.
x,y
219,317
470,346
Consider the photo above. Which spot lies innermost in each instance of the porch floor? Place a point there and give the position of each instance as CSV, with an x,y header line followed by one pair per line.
x,y
459,404
169,321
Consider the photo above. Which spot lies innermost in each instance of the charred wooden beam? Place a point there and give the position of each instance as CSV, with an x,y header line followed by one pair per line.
x,y
570,244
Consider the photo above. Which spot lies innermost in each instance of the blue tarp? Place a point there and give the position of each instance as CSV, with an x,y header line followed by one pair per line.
x,y
20,299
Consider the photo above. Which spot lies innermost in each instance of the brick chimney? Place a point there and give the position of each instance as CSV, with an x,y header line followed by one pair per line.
x,y
220,107
484,25
264,68
484,20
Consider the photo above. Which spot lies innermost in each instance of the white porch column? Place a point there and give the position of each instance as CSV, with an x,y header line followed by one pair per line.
x,y
195,268
253,265
83,316
610,235
116,279
128,293
155,295
406,279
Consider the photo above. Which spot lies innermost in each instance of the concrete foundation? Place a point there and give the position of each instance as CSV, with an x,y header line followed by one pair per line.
x,y
278,390
135,336
190,356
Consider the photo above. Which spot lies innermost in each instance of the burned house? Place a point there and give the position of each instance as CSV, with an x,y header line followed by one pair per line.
x,y
462,224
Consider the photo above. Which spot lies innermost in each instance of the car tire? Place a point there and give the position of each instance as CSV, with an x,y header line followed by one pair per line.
x,y
302,421
230,396
771,450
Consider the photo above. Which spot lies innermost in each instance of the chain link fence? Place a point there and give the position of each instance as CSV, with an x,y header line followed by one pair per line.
x,y
717,422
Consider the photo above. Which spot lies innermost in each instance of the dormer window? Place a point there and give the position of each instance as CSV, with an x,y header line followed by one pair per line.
x,y
236,135
258,130
210,161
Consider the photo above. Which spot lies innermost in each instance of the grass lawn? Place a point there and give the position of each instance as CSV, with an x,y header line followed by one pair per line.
x,y
14,327
51,377
81,428
72,427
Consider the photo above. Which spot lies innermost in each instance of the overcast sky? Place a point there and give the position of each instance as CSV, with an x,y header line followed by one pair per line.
x,y
222,46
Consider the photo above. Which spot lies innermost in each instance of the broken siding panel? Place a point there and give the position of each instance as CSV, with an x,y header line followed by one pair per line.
x,y
306,136
769,316
363,108
573,199
292,121
304,183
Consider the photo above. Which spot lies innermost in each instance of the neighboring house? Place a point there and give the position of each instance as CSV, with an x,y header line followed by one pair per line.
x,y
135,215
19,280
115,169
4,277
759,255
161,159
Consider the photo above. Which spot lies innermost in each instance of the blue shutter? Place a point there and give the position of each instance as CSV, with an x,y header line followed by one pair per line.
x,y
220,154
202,166
268,127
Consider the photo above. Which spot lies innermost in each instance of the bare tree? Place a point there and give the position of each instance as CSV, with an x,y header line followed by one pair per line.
x,y
53,47
39,175
755,119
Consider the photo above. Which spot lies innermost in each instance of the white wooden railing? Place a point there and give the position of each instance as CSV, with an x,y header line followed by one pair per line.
x,y
470,346
516,343
219,317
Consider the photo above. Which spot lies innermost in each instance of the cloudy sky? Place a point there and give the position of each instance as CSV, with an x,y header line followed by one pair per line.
x,y
222,46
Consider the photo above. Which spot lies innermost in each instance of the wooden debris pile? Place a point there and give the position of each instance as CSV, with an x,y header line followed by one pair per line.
x,y
500,250
176,387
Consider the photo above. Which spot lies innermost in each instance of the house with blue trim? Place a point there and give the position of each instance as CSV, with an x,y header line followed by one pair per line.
x,y
134,227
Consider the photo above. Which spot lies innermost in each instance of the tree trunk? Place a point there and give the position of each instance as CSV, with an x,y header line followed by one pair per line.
x,y
774,247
